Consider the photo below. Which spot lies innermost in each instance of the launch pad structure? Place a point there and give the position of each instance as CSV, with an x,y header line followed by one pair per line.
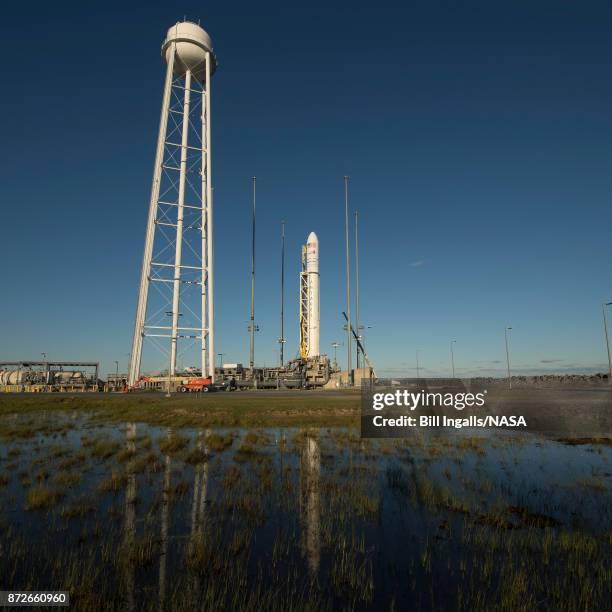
x,y
176,296
295,374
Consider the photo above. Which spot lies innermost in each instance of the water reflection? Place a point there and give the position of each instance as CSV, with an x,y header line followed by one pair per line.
x,y
130,514
198,503
310,511
200,488
164,521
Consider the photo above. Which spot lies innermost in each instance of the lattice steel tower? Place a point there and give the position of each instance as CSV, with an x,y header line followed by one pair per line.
x,y
178,255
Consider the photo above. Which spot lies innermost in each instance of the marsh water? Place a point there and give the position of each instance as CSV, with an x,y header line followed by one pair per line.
x,y
130,516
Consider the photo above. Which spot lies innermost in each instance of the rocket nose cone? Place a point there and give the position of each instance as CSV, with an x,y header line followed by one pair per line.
x,y
312,237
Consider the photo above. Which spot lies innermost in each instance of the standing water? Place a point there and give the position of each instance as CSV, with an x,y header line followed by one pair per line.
x,y
137,517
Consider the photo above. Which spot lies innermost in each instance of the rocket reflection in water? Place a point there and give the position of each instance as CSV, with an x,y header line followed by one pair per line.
x,y
310,501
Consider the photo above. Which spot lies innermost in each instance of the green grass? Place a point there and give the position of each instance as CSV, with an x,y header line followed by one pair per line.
x,y
249,410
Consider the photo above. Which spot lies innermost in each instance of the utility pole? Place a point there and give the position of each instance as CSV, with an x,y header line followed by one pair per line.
x,y
418,369
452,356
116,374
605,319
508,357
252,326
349,364
281,340
357,326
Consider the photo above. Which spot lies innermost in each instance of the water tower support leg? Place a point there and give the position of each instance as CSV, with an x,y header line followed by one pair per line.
x,y
150,233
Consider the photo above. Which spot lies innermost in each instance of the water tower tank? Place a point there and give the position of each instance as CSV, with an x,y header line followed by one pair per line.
x,y
192,43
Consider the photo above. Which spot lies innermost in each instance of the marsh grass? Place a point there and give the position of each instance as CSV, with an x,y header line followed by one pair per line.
x,y
67,479
220,442
41,497
56,452
41,475
76,460
141,463
196,456
172,444
179,490
125,454
249,449
115,482
104,448
78,509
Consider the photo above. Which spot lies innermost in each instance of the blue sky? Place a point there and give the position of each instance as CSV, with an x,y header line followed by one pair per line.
x,y
478,139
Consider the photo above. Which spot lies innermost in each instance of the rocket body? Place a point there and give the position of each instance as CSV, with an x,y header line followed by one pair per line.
x,y
312,272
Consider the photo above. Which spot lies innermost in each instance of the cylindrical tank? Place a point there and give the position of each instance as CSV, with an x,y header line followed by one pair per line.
x,y
12,377
192,43
68,376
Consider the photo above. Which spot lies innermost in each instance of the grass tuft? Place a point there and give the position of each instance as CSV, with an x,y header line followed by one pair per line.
x,y
41,497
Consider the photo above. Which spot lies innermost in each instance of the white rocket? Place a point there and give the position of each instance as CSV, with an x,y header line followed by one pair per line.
x,y
309,299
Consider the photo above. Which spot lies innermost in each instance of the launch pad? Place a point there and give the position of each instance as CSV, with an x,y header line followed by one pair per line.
x,y
311,373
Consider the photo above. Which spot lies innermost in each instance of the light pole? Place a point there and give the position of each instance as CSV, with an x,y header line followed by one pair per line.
x,y
605,319
335,346
252,327
417,364
357,326
506,330
282,340
116,374
349,365
452,356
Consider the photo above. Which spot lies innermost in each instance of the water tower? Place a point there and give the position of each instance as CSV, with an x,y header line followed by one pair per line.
x,y
175,303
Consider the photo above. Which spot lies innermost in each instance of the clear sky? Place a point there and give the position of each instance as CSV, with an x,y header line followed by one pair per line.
x,y
477,135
